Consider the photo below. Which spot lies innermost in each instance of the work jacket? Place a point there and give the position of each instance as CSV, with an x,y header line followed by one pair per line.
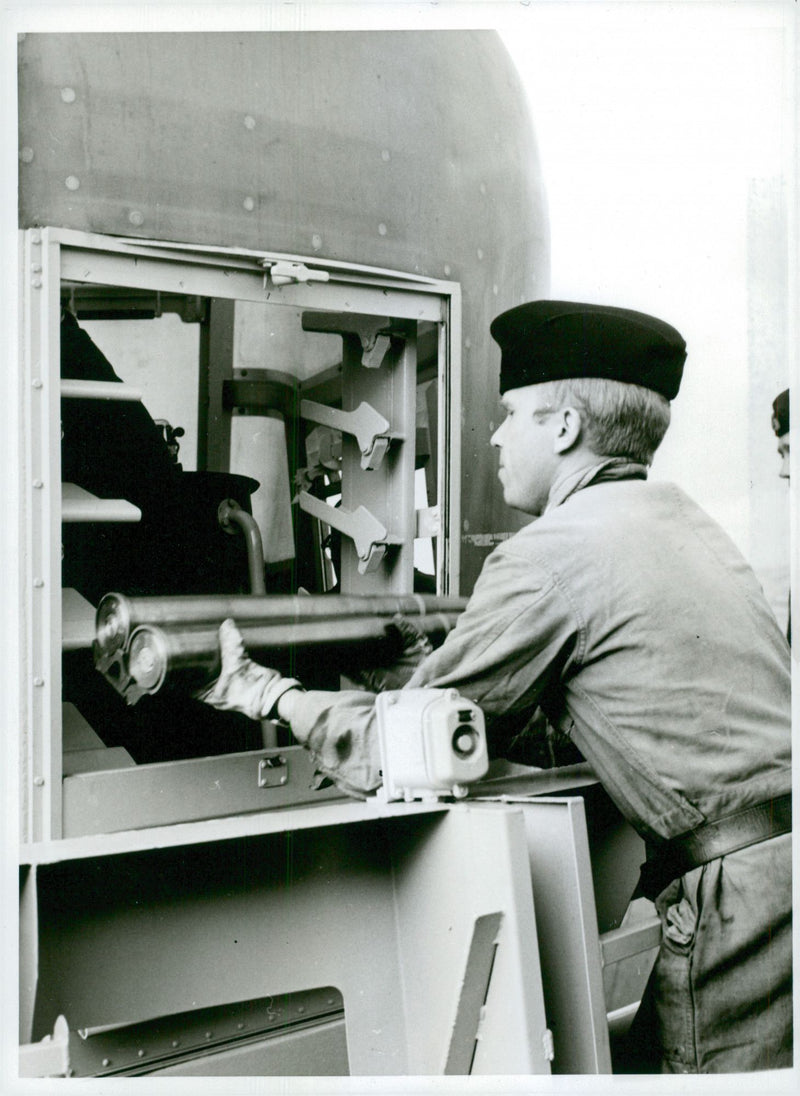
x,y
631,618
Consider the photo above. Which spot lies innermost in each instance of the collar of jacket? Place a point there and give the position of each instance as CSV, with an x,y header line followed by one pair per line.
x,y
607,468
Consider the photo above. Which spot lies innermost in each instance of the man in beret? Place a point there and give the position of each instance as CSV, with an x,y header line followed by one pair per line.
x,y
780,424
628,616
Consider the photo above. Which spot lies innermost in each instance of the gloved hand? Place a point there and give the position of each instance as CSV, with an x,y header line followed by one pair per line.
x,y
243,685
415,647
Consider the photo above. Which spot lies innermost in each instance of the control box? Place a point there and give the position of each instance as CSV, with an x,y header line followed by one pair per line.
x,y
432,743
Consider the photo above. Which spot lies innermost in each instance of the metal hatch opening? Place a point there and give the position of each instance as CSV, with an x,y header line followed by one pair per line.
x,y
231,424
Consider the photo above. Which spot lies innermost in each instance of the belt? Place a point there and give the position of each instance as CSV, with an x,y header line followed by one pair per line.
x,y
746,827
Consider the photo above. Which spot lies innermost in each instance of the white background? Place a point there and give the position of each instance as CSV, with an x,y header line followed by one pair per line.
x,y
666,133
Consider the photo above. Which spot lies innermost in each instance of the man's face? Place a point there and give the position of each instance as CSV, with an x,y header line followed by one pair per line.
x,y
783,453
526,440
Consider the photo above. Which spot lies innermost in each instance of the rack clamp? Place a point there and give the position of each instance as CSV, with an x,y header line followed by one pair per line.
x,y
370,429
370,537
372,335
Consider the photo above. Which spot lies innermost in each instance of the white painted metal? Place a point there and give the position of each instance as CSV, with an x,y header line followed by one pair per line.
x,y
388,491
99,390
369,536
448,557
402,894
80,505
177,791
49,1057
630,940
110,266
364,424
41,746
78,625
566,919
83,257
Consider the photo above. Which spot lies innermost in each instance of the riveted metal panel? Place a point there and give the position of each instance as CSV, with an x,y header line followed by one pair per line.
x,y
402,150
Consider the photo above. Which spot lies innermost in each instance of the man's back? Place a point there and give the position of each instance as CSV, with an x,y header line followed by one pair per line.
x,y
665,662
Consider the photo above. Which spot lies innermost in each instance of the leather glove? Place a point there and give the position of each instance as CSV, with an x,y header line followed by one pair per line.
x,y
415,647
243,685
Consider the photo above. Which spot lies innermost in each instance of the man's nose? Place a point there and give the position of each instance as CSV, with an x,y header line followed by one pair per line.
x,y
495,438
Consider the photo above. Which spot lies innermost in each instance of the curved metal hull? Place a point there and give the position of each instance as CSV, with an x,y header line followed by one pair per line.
x,y
403,150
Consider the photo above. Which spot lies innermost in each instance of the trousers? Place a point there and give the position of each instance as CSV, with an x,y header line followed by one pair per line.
x,y
719,998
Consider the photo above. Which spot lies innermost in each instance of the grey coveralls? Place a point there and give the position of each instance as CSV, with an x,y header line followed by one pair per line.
x,y
628,615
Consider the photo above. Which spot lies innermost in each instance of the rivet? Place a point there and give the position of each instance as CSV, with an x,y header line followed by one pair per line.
x,y
467,343
72,182
386,155
136,217
176,1042
249,121
483,188
38,583
38,781
382,229
36,238
495,290
68,95
36,268
36,283
249,204
38,484
239,1026
37,383
106,1062
208,1035
140,1053
301,1008
38,682
26,154
316,241
447,269
479,253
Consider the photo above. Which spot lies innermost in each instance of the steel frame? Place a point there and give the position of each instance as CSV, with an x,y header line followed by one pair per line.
x,y
51,255
411,913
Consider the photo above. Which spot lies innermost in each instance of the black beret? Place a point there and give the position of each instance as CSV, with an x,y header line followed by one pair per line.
x,y
780,414
553,340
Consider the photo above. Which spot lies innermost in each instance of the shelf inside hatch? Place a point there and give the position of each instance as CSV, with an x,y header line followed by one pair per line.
x,y
79,505
77,621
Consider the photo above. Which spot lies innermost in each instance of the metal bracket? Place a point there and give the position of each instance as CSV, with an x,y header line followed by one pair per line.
x,y
374,333
369,536
273,772
48,1058
290,273
365,424
428,523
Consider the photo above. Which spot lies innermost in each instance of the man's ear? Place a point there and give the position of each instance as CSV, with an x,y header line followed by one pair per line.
x,y
569,430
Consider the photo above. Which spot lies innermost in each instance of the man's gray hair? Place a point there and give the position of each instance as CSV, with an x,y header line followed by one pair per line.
x,y
619,420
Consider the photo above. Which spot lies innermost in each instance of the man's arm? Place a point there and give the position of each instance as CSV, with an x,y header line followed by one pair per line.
x,y
516,632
